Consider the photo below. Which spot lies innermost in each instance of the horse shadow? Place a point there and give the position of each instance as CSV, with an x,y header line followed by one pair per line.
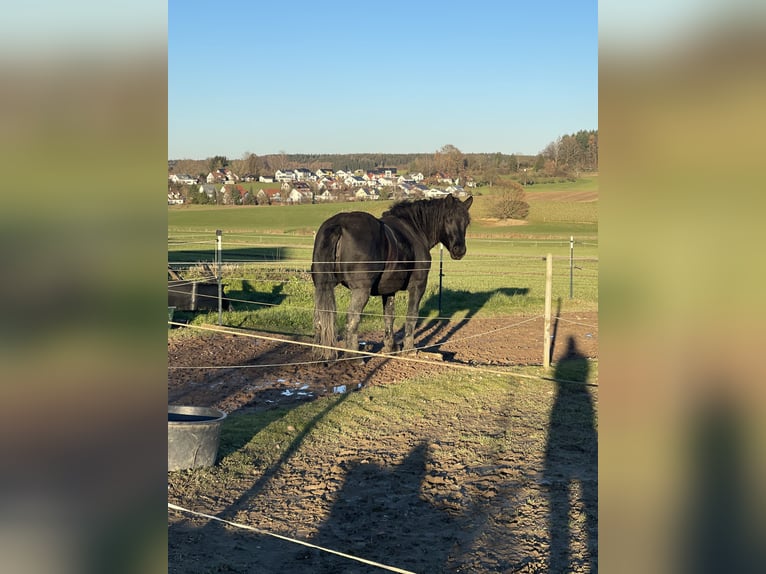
x,y
570,472
433,332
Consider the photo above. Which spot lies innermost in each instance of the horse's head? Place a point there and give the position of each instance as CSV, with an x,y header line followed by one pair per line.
x,y
456,220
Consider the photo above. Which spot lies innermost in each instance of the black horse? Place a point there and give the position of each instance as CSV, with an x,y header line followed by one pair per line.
x,y
374,256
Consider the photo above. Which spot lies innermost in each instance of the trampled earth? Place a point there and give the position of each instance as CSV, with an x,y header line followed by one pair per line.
x,y
497,481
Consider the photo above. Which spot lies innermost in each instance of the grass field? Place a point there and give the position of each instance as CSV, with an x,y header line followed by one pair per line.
x,y
267,255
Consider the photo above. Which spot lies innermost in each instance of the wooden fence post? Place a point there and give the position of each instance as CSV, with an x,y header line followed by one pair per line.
x,y
571,266
441,275
218,260
547,316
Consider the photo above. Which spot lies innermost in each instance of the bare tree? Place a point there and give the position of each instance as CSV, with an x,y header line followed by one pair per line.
x,y
569,152
551,151
278,161
250,163
511,202
451,161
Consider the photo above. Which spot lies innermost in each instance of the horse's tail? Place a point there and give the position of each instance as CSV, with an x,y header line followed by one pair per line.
x,y
322,267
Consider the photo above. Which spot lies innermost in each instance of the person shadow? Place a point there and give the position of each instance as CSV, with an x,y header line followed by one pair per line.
x,y
571,468
380,514
717,515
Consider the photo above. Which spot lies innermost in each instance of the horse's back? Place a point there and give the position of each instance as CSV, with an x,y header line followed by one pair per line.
x,y
359,231
355,223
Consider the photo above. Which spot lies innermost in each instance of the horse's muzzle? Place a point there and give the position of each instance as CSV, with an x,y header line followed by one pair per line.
x,y
457,252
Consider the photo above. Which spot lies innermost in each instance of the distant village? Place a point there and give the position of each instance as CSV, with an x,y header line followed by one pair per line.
x,y
296,186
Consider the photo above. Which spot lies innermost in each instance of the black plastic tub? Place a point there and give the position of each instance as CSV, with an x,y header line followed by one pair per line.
x,y
193,436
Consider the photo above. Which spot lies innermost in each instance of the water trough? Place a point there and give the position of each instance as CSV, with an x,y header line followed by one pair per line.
x,y
193,436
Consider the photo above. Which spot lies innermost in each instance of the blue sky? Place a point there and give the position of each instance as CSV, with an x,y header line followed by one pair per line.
x,y
395,77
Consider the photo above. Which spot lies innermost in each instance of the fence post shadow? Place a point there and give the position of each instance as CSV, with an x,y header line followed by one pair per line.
x,y
570,471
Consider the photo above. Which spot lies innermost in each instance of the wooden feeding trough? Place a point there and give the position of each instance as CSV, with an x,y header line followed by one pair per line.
x,y
192,294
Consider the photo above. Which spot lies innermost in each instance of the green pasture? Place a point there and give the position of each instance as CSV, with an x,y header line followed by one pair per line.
x,y
585,183
267,256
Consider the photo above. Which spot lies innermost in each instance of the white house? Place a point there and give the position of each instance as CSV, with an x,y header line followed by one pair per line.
x,y
222,175
354,181
183,178
286,175
294,196
303,190
269,196
327,183
174,198
303,174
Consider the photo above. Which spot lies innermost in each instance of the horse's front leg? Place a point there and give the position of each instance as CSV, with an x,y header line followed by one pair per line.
x,y
359,298
388,320
414,295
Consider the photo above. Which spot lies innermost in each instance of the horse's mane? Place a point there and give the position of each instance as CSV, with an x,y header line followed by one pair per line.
x,y
414,209
424,213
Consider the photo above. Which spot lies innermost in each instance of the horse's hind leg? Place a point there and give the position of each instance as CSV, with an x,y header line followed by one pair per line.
x,y
359,298
414,295
388,319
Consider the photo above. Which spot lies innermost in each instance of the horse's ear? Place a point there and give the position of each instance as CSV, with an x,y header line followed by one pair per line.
x,y
468,201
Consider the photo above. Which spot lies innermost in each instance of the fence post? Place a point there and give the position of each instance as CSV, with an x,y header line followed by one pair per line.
x,y
218,260
571,265
441,264
547,316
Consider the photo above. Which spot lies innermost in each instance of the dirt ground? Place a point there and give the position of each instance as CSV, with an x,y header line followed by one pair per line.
x,y
532,510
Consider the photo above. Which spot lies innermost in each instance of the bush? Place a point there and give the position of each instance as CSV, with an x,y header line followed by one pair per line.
x,y
511,202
